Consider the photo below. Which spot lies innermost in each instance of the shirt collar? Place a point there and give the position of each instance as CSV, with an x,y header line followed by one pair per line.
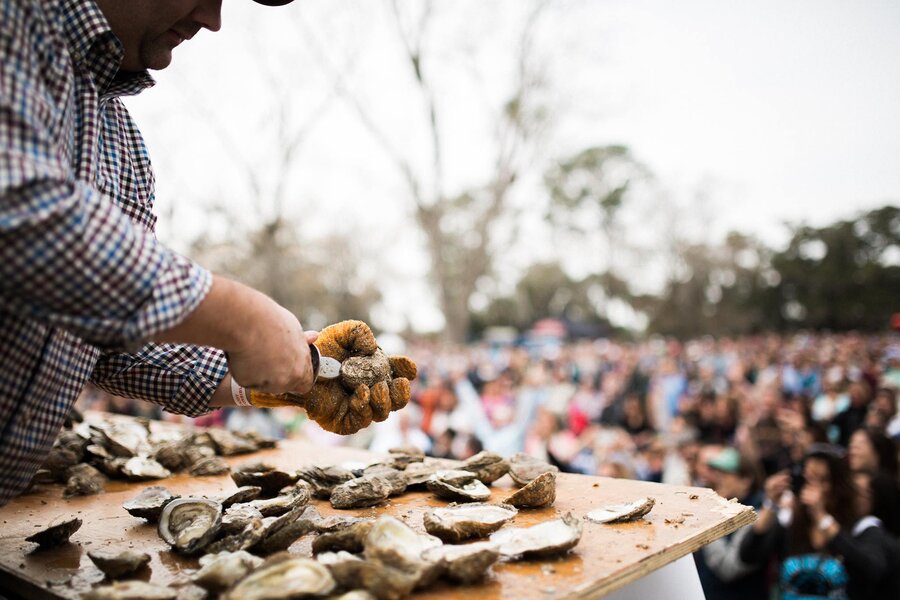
x,y
95,47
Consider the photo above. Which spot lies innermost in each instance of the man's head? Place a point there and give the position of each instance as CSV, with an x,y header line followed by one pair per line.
x,y
150,29
732,475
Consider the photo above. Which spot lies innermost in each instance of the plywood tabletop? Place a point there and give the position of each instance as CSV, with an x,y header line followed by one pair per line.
x,y
607,558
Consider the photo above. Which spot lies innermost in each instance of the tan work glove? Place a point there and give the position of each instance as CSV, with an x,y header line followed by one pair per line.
x,y
370,385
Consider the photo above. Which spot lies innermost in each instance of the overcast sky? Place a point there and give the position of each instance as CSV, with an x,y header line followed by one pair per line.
x,y
774,110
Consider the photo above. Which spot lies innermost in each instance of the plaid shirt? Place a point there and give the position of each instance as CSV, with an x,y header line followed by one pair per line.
x,y
82,278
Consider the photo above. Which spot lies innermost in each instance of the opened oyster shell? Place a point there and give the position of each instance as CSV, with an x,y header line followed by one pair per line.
x,y
222,570
132,590
418,473
56,534
456,523
474,491
285,579
141,468
524,468
236,518
467,563
150,503
229,443
619,513
368,490
189,524
243,494
279,505
117,563
323,480
248,536
487,466
545,539
392,542
539,493
380,580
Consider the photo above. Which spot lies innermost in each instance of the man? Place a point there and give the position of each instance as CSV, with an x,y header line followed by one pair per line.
x,y
86,292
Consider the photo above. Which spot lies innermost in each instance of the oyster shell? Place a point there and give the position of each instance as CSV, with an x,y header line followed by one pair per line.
x,y
170,456
236,517
456,523
279,505
132,590
189,524
355,595
83,480
524,468
539,493
244,493
467,563
149,503
474,491
222,570
264,476
454,477
56,534
58,462
141,468
380,580
228,443
245,538
487,466
280,532
545,539
420,472
368,490
619,513
117,563
284,579
211,465
323,480
392,542
396,478
350,539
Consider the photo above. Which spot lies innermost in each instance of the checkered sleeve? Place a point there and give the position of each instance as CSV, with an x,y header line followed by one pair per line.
x,y
69,257
181,378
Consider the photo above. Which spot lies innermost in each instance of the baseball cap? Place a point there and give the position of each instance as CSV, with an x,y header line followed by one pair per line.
x,y
273,2
727,461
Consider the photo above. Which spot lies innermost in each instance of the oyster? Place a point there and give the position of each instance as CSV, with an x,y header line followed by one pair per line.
x,y
456,523
236,518
381,581
58,462
131,590
487,466
264,476
117,563
141,468
242,494
189,524
539,493
419,473
228,443
396,478
368,490
222,570
83,480
350,539
149,503
454,477
355,595
171,456
245,538
467,563
619,513
474,491
394,543
211,465
545,539
283,537
55,535
279,505
284,579
323,480
524,468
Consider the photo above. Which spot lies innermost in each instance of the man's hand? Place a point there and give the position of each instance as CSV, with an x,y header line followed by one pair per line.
x,y
266,345
776,485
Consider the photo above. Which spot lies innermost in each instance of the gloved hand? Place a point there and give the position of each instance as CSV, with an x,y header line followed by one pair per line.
x,y
370,385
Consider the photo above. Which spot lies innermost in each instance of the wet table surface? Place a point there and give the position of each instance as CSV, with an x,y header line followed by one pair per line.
x,y
607,558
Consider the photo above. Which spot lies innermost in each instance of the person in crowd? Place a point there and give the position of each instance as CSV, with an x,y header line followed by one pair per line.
x,y
723,575
854,416
871,451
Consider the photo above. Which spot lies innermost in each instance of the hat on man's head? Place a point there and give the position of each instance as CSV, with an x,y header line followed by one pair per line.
x,y
273,2
728,461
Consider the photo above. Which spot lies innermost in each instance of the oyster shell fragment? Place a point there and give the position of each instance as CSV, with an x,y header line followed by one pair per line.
x,y
116,563
56,534
189,524
456,523
545,539
619,513
284,579
540,492
150,503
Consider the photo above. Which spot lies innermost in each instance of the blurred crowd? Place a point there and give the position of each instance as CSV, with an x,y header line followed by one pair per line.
x,y
804,428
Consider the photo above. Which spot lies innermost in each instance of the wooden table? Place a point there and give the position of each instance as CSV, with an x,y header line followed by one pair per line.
x,y
607,558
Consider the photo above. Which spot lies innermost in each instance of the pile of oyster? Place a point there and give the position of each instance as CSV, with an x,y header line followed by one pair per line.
x,y
85,455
